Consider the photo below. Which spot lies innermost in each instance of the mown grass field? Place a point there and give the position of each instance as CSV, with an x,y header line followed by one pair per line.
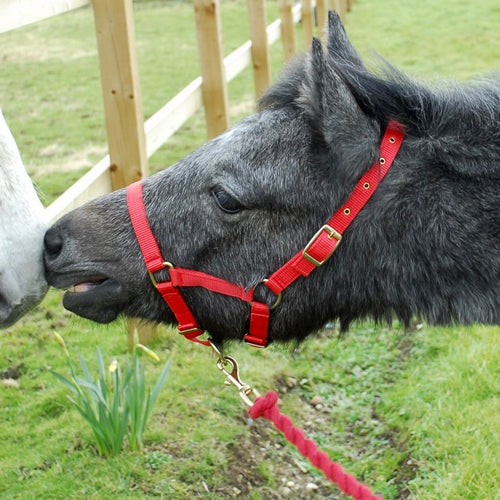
x,y
413,414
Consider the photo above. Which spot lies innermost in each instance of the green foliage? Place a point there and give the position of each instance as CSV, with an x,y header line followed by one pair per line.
x,y
140,399
115,405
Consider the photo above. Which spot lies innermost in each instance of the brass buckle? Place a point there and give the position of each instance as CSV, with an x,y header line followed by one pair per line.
x,y
332,234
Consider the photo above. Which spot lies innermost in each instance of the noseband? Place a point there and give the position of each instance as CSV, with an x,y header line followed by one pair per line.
x,y
315,253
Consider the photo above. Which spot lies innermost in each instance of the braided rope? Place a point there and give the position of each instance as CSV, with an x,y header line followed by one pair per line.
x,y
266,406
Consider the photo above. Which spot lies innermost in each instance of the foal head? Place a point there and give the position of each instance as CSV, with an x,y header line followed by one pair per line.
x,y
239,207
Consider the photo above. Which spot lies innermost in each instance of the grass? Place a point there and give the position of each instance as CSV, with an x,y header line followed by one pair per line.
x,y
412,414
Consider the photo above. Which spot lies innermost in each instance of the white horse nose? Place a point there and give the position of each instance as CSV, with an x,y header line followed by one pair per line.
x,y
11,295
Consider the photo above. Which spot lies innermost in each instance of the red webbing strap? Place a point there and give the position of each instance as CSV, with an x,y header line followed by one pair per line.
x,y
188,325
324,243
187,277
259,312
259,324
147,242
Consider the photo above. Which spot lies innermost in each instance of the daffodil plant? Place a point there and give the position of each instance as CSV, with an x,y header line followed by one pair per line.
x,y
115,404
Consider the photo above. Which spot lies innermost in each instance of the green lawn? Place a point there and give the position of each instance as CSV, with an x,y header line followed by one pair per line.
x,y
413,414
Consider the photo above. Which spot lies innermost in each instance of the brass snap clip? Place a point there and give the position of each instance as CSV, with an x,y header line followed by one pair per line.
x,y
229,367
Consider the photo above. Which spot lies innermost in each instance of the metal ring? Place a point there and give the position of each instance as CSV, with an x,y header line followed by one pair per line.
x,y
392,140
278,298
169,265
382,161
366,185
347,211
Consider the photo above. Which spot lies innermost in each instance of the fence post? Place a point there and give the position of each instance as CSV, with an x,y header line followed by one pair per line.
x,y
340,7
287,29
321,15
214,86
260,48
307,22
122,103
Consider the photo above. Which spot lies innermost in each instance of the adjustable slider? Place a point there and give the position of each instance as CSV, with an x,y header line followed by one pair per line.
x,y
321,246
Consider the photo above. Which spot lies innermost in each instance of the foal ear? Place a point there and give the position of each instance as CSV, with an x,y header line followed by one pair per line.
x,y
334,112
339,46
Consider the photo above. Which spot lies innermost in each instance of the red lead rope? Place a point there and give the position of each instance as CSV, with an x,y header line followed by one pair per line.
x,y
316,252
266,406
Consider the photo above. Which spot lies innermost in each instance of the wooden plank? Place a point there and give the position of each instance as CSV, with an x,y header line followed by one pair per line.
x,y
95,182
17,13
214,87
122,106
170,118
287,29
274,29
260,48
307,22
321,16
121,91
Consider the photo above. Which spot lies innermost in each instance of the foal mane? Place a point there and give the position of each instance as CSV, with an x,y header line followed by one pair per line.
x,y
457,125
450,108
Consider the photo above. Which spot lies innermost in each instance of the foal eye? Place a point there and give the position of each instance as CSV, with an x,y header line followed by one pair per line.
x,y
226,202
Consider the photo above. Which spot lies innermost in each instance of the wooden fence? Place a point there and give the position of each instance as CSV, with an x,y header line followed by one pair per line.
x,y
131,141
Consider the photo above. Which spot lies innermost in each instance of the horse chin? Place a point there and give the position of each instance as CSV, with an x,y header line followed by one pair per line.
x,y
99,301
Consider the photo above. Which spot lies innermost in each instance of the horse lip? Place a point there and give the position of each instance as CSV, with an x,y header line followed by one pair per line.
x,y
88,284
68,280
101,302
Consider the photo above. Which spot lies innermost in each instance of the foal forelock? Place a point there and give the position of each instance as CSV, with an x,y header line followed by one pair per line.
x,y
22,226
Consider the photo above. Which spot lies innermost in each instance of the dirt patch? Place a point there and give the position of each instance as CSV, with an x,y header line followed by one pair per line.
x,y
261,461
14,372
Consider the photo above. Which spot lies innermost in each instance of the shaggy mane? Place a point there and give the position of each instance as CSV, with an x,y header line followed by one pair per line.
x,y
454,119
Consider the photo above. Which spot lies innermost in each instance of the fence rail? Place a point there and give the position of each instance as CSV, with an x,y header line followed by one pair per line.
x,y
163,124
17,13
106,174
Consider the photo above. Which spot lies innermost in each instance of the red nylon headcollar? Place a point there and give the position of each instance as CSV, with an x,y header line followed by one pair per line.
x,y
316,252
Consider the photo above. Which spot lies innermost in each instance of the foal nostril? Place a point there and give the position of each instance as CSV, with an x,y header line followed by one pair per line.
x,y
53,244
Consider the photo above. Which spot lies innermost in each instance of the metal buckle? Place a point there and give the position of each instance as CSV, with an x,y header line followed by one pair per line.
x,y
278,297
332,234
